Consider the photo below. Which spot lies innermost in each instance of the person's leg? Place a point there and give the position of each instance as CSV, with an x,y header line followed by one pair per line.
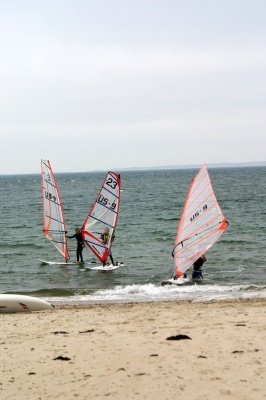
x,y
197,274
111,258
81,255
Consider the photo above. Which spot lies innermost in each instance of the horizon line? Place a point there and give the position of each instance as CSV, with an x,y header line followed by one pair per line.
x,y
156,168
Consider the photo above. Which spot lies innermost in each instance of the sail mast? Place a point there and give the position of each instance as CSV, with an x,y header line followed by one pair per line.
x,y
53,217
103,216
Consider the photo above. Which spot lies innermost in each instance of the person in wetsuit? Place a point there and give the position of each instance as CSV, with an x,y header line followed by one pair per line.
x,y
197,271
80,244
105,239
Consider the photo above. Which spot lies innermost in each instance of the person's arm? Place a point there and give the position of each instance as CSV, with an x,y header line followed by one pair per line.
x,y
71,237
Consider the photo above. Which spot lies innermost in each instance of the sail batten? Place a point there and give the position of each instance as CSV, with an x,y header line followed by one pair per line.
x,y
52,200
49,183
55,220
56,241
53,217
103,216
101,221
109,191
201,224
200,227
53,231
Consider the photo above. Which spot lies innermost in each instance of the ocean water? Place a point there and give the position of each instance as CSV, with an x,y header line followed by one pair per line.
x,y
151,206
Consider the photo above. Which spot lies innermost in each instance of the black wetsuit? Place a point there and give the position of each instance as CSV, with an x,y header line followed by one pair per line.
x,y
197,272
80,245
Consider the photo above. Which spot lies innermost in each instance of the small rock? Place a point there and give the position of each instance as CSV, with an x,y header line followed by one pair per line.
x,y
178,337
62,358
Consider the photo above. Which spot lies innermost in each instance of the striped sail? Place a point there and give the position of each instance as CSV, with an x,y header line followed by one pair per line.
x,y
53,217
103,216
201,225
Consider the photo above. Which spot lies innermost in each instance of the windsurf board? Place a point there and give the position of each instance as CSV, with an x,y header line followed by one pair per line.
x,y
60,263
107,267
12,303
177,282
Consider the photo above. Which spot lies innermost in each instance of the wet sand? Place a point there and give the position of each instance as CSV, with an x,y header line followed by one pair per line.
x,y
121,351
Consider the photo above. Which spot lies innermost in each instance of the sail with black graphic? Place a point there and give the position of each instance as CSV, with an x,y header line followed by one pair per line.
x,y
53,217
103,217
202,223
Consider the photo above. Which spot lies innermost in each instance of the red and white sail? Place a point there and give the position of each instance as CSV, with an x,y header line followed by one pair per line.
x,y
53,216
103,216
201,225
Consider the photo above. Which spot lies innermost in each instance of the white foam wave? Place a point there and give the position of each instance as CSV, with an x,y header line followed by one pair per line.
x,y
151,292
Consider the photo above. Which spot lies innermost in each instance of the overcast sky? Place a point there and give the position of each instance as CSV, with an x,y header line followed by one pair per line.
x,y
108,84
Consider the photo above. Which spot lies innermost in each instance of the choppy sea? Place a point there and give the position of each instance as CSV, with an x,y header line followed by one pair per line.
x,y
151,206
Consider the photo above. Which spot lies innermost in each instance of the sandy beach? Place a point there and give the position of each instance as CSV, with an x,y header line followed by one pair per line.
x,y
121,351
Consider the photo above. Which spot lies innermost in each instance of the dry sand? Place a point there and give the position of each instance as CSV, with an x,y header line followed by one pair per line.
x,y
121,351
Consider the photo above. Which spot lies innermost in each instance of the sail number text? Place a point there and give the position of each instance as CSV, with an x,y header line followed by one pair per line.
x,y
50,196
105,202
197,213
111,182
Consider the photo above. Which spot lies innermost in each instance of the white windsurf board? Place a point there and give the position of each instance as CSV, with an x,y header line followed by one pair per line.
x,y
60,263
177,282
107,267
12,303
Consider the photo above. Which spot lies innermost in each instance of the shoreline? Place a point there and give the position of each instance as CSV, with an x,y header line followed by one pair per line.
x,y
83,305
65,304
120,350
